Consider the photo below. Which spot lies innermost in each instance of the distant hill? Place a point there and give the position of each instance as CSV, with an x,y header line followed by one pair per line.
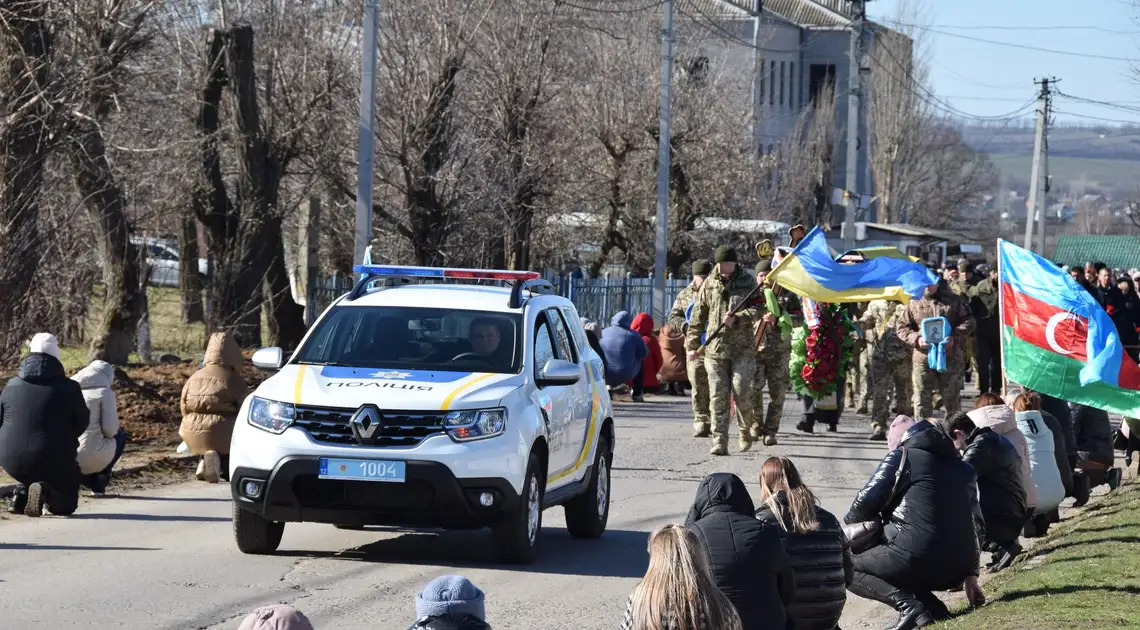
x,y
1104,159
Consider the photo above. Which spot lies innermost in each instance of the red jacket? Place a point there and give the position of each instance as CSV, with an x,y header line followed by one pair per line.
x,y
651,364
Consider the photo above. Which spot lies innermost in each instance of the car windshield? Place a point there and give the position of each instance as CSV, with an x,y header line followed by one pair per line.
x,y
416,339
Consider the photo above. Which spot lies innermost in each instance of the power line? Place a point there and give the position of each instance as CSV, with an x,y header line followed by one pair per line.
x,y
1089,101
1011,45
1132,123
656,4
1006,27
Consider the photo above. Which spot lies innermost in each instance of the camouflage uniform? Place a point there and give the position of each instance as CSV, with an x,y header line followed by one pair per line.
x,y
858,376
961,287
772,358
890,362
698,378
925,380
730,359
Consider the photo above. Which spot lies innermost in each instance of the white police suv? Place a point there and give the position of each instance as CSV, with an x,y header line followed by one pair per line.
x,y
417,401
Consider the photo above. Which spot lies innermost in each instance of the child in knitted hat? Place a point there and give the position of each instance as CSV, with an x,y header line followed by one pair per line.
x,y
450,602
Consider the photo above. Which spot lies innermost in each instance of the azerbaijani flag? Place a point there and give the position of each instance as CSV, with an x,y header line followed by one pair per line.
x,y
1058,340
810,271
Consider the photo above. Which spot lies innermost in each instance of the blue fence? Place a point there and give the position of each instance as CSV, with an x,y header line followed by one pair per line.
x,y
596,299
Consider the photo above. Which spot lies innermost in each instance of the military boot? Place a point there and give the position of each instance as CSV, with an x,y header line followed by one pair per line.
x,y
701,431
745,443
770,440
718,448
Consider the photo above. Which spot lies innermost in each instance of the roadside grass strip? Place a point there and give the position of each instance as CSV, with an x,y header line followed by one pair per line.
x,y
1084,574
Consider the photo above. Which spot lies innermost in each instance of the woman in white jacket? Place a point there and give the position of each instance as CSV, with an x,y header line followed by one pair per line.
x,y
102,444
991,412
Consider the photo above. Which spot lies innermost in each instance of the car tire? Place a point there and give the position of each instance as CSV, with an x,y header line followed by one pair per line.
x,y
588,513
254,534
516,536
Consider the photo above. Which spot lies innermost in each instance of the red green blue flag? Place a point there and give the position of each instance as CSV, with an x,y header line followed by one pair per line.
x,y
1058,340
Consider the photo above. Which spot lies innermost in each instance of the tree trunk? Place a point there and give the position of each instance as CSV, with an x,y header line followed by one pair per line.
x,y
25,106
126,293
286,318
189,279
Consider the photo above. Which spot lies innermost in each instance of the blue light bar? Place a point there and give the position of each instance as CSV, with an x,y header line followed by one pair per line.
x,y
444,272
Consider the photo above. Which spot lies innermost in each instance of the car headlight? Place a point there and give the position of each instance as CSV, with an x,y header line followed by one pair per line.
x,y
464,426
270,415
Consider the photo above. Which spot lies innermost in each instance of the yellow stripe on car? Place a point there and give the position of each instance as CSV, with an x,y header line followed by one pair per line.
x,y
298,384
595,407
459,390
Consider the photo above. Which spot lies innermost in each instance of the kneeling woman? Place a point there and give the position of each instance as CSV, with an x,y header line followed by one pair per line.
x,y
926,498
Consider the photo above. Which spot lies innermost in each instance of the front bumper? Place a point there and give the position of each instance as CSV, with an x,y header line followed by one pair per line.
x,y
430,497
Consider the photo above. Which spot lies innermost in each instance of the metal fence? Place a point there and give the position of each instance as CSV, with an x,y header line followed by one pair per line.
x,y
596,299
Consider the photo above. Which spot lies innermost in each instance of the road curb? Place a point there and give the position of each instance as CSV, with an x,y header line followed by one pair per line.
x,y
8,489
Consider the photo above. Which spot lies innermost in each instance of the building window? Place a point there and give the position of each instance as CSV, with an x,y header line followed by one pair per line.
x,y
772,87
792,94
821,79
783,67
760,96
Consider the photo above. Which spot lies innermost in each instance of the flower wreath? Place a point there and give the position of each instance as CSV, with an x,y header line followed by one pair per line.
x,y
821,355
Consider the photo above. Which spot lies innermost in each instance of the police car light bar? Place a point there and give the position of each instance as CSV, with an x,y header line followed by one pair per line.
x,y
444,272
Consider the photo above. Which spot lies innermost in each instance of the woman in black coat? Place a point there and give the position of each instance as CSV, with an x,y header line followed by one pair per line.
x,y
819,552
42,415
1127,317
927,498
748,560
998,468
1095,454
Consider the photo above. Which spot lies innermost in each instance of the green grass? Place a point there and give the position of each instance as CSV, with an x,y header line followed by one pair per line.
x,y
1085,574
1103,174
168,334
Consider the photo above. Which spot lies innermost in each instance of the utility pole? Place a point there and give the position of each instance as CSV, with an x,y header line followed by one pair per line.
x,y
365,154
854,92
664,144
757,86
1037,173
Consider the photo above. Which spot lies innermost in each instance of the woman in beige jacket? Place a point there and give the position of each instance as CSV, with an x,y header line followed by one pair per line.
x,y
102,444
211,399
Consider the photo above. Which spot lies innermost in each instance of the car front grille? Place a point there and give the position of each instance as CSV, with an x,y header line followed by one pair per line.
x,y
333,494
398,428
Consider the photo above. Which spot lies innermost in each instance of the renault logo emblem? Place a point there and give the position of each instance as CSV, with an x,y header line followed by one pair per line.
x,y
365,423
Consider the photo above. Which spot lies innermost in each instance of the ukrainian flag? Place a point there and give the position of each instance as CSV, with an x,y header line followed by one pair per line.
x,y
810,271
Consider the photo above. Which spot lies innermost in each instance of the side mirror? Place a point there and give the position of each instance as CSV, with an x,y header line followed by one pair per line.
x,y
559,372
269,359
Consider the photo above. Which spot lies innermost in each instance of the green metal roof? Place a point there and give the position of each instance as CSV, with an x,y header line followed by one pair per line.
x,y
1120,252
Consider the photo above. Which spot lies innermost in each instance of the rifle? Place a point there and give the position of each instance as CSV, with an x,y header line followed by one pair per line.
x,y
762,329
736,309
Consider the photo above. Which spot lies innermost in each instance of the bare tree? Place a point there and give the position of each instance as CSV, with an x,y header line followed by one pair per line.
x,y
796,177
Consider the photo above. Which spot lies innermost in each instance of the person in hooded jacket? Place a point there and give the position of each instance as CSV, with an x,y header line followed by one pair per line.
x,y
1095,455
651,364
990,411
927,500
102,444
674,364
1047,461
624,352
747,556
1000,493
277,617
42,415
211,400
593,332
450,602
817,548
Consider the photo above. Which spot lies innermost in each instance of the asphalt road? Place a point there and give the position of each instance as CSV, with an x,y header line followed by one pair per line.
x,y
166,558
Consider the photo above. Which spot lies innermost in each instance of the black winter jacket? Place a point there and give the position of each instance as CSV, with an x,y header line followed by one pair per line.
x,y
934,520
1093,431
822,564
450,622
42,415
1059,409
747,557
998,468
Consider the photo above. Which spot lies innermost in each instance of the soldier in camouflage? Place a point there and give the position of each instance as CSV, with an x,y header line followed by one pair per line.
x,y
983,298
730,357
890,365
859,376
937,301
773,352
679,320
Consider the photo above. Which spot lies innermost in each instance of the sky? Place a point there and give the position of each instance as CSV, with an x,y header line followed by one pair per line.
x,y
990,80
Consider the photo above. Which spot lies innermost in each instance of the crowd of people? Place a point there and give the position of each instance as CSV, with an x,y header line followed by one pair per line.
x,y
59,434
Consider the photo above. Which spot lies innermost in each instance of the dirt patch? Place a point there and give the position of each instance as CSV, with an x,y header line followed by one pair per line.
x,y
149,400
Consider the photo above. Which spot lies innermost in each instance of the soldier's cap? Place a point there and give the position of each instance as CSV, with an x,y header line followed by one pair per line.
x,y
798,226
702,267
724,253
963,264
982,269
764,266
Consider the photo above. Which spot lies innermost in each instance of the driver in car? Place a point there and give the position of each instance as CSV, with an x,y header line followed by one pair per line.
x,y
486,342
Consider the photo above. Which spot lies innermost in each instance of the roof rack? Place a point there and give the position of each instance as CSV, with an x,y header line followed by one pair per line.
x,y
530,281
